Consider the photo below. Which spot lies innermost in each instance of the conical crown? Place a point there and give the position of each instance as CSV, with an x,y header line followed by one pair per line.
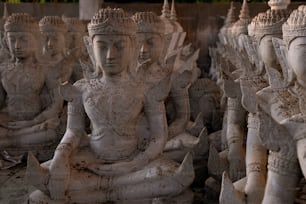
x,y
111,21
74,24
21,22
268,23
166,10
295,25
278,4
52,24
241,26
148,22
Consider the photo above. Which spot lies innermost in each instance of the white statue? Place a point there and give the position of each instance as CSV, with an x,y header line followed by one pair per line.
x,y
110,164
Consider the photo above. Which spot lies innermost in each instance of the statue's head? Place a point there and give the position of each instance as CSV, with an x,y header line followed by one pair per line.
x,y
150,36
294,35
113,34
265,26
21,31
76,31
53,31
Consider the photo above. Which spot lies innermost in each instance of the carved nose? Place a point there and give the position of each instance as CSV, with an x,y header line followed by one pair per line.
x,y
144,48
17,44
49,44
111,53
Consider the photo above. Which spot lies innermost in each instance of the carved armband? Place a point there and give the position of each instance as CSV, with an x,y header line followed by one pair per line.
x,y
234,104
155,108
253,121
75,108
255,167
234,140
281,165
179,95
64,147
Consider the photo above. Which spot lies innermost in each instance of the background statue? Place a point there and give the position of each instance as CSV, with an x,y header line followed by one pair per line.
x,y
27,121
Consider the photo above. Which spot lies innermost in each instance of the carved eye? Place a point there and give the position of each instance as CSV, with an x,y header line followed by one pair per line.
x,y
150,41
119,45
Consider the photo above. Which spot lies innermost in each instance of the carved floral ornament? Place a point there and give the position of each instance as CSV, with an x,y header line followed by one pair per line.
x,y
19,22
52,24
295,25
111,21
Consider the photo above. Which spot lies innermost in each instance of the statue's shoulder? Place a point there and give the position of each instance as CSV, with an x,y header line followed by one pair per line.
x,y
73,92
82,84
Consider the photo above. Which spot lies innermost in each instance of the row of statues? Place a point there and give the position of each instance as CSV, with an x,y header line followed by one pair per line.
x,y
107,112
260,65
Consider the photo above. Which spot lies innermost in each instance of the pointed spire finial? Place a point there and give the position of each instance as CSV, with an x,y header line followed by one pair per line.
x,y
166,10
244,12
173,11
5,12
230,18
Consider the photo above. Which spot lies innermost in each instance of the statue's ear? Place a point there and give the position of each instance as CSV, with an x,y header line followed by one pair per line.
x,y
167,41
281,52
88,44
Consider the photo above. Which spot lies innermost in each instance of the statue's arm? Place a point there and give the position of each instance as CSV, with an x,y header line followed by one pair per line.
x,y
180,97
156,116
74,131
53,83
60,165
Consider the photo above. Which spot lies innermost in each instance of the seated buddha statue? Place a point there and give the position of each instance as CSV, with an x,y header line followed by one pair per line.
x,y
108,165
27,122
153,68
54,52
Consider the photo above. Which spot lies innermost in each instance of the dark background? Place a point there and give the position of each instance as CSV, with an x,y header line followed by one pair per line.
x,y
134,1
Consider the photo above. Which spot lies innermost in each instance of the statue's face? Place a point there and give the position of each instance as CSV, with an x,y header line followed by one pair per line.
x,y
150,47
21,44
297,58
267,52
112,52
53,43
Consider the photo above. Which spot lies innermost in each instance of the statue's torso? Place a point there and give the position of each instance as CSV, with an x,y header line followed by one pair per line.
x,y
114,112
23,85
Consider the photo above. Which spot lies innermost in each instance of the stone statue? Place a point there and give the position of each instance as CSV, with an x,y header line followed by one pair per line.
x,y
109,165
27,121
251,80
267,127
154,68
281,101
76,49
235,127
261,54
54,52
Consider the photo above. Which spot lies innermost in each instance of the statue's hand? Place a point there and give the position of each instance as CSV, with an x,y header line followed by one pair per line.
x,y
237,167
20,124
59,178
114,169
174,129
